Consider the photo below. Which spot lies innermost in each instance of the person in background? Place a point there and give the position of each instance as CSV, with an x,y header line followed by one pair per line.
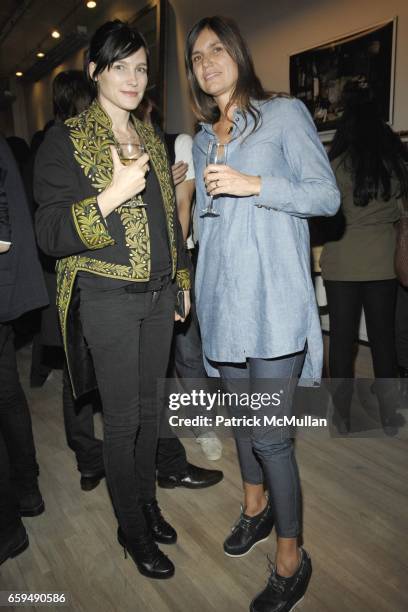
x,y
21,152
22,290
358,269
187,354
255,296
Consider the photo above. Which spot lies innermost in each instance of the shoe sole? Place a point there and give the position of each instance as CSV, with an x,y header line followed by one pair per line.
x,y
166,577
252,609
165,542
17,551
249,550
90,486
199,486
212,457
32,511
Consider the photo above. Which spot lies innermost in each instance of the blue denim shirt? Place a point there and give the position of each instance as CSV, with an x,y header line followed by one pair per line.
x,y
254,291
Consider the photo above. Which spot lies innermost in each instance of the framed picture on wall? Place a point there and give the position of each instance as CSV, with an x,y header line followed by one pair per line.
x,y
318,75
151,22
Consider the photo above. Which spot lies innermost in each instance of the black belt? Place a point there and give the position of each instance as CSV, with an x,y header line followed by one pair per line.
x,y
156,284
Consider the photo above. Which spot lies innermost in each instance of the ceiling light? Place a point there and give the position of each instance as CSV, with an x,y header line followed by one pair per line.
x,y
55,34
91,4
19,73
40,54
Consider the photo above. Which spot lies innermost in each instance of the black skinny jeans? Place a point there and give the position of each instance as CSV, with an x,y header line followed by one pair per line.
x,y
80,433
129,336
345,300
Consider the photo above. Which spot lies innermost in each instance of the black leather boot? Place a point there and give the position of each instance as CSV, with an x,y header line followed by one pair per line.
x,y
30,502
161,530
14,544
149,559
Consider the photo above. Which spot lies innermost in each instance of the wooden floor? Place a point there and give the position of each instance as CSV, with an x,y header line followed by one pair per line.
x,y
355,527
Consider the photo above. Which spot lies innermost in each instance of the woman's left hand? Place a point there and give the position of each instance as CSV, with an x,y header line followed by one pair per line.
x,y
187,306
221,179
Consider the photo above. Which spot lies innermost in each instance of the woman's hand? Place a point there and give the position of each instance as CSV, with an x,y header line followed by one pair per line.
x,y
179,172
220,179
127,181
187,306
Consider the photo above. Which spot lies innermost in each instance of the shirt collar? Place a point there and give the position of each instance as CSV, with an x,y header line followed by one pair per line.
x,y
238,119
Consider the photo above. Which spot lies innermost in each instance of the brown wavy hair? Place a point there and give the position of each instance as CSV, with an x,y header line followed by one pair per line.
x,y
248,86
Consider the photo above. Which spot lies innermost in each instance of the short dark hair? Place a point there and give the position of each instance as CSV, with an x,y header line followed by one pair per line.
x,y
71,94
248,84
113,41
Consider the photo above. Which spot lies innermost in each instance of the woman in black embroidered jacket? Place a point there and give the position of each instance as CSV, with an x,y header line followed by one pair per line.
x,y
117,262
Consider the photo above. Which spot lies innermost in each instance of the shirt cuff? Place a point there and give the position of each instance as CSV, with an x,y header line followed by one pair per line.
x,y
90,224
275,193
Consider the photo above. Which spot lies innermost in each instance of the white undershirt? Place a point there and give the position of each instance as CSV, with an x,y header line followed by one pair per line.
x,y
183,150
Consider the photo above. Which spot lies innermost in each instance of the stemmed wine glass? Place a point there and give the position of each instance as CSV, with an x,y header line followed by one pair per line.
x,y
216,154
129,152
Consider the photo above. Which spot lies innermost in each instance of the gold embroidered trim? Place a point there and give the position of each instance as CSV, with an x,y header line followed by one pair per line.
x,y
91,134
137,240
159,160
183,278
89,224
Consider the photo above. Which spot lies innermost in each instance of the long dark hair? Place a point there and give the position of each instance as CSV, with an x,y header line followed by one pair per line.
x,y
113,41
373,153
71,94
248,85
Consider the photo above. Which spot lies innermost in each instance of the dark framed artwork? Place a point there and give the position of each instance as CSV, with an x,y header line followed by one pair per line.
x,y
151,21
318,75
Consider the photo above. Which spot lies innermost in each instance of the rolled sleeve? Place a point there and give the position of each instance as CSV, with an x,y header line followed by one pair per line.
x,y
310,188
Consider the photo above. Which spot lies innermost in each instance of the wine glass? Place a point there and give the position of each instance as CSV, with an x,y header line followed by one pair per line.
x,y
216,154
129,152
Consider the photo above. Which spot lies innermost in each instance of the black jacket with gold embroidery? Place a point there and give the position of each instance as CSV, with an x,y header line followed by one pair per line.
x,y
73,165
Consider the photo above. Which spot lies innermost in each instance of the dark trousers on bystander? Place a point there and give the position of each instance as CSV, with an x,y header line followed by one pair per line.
x,y
18,465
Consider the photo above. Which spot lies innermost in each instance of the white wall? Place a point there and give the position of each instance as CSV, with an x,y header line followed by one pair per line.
x,y
274,29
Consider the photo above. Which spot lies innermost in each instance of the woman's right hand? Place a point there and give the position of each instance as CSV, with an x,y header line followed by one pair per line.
x,y
127,181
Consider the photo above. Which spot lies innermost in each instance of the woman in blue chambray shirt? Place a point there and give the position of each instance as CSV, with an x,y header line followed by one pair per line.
x,y
255,296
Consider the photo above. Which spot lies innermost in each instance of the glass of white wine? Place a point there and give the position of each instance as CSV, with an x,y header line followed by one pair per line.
x,y
216,154
129,152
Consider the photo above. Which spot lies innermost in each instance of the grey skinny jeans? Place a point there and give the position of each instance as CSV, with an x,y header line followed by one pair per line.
x,y
267,454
